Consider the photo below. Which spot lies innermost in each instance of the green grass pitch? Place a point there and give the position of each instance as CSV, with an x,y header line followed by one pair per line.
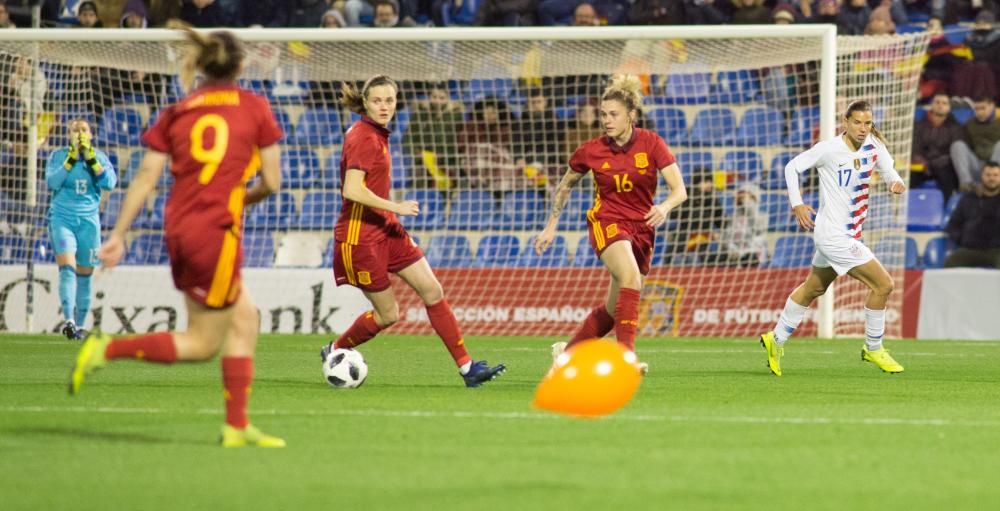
x,y
710,428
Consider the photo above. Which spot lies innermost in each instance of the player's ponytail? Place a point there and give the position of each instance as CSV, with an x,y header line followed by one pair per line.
x,y
218,55
354,99
861,105
625,88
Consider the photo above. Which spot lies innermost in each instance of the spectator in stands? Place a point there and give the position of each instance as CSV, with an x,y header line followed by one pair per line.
x,y
333,19
539,134
485,144
984,41
510,13
659,12
387,15
827,11
853,18
700,219
87,16
750,12
783,14
5,21
932,139
431,136
133,15
981,143
973,225
746,235
943,58
880,22
354,10
583,127
585,16
202,13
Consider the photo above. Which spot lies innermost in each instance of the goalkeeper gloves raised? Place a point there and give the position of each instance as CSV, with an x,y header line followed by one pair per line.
x,y
71,153
89,154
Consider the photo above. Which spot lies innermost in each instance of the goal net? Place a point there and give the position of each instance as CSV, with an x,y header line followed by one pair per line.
x,y
486,122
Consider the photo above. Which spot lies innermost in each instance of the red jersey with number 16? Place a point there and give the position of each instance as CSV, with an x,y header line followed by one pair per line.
x,y
366,148
213,137
625,176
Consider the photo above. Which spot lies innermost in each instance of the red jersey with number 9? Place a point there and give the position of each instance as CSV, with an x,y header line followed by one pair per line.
x,y
213,137
625,176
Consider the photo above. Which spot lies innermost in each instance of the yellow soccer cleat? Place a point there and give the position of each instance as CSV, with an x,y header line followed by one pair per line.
x,y
89,358
233,437
774,352
882,359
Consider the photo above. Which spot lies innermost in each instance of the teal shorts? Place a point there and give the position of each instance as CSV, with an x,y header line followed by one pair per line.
x,y
81,235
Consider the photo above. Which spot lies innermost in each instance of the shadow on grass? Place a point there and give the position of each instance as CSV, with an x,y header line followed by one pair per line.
x,y
104,436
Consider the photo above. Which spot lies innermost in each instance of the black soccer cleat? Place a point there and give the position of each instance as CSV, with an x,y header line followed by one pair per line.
x,y
481,372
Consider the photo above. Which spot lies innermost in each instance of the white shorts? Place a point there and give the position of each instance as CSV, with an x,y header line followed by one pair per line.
x,y
841,253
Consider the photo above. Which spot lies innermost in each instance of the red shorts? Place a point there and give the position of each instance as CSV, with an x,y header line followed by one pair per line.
x,y
205,263
602,234
367,267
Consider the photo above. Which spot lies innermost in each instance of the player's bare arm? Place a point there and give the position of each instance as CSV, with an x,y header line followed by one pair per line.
x,y
270,175
678,194
355,190
144,183
566,184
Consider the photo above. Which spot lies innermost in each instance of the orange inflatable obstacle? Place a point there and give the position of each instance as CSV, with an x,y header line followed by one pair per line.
x,y
593,379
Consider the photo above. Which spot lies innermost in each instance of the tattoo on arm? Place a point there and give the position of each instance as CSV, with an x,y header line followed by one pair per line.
x,y
562,192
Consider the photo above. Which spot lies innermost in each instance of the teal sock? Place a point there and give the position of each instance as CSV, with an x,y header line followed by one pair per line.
x,y
82,298
67,290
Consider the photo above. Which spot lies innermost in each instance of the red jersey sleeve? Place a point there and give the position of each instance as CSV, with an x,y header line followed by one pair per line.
x,y
360,152
268,133
579,162
661,154
156,137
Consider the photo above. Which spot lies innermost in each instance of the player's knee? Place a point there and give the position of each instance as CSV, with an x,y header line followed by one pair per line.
x,y
388,316
885,287
432,294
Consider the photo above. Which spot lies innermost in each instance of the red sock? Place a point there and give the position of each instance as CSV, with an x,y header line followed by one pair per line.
x,y
446,326
597,325
362,331
158,347
237,373
627,317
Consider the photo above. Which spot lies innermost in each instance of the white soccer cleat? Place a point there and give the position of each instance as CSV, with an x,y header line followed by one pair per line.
x,y
558,349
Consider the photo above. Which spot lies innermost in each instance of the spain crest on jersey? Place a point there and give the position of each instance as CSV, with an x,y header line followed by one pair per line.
x,y
659,310
641,160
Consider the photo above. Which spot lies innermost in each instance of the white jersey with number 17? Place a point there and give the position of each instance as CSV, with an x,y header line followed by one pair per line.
x,y
844,185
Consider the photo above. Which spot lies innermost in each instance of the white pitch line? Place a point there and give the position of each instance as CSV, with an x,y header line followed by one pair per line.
x,y
458,414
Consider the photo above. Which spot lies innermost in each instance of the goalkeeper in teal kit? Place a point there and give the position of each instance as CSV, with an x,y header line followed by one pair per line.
x,y
77,175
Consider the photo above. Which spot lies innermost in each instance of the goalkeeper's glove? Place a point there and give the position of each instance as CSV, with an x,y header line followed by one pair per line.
x,y
89,154
71,153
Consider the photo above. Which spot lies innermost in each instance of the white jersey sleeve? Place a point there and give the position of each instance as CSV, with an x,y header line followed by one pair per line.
x,y
801,163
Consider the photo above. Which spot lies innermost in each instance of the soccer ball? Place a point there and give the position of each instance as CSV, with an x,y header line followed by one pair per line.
x,y
345,369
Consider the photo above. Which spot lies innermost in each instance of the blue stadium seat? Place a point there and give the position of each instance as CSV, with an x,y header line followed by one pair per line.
x,y
911,254
431,209
775,179
285,123
565,112
121,126
448,251
793,252
687,88
112,206
574,216
400,168
259,87
402,121
523,210
925,210
659,252
584,255
479,88
779,211
498,250
463,14
329,175
147,249
740,86
258,250
126,174
760,126
713,126
320,209
935,252
671,124
43,251
692,161
949,208
805,120
13,249
319,126
299,167
555,256
747,165
328,253
962,115
886,251
275,212
473,210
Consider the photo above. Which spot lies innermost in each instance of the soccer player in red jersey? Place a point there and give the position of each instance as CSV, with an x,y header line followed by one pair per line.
x,y
216,138
370,241
625,162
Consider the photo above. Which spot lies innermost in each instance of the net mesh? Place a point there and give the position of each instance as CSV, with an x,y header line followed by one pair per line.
x,y
482,136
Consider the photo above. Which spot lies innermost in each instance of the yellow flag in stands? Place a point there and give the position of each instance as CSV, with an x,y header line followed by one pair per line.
x,y
441,179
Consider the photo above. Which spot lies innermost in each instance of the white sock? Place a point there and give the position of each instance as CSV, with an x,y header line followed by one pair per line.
x,y
789,320
464,370
874,328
